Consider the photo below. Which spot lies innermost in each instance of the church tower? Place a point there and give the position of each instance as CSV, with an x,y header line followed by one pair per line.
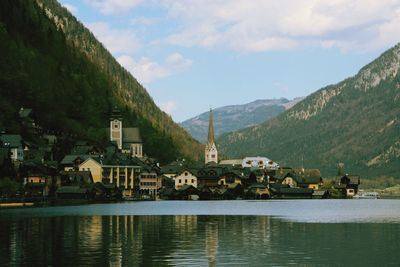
x,y
211,153
116,127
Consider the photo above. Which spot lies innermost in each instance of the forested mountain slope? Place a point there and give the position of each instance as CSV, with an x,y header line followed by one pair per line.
x,y
51,63
356,121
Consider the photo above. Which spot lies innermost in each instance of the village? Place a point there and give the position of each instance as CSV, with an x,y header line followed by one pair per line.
x,y
122,171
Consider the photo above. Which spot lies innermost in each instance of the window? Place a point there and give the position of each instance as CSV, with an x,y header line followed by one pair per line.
x,y
186,174
116,126
192,181
185,181
180,181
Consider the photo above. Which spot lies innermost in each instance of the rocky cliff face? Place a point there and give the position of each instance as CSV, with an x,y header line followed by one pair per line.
x,y
356,121
235,117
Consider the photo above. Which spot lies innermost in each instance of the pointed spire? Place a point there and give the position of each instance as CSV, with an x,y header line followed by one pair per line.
x,y
211,130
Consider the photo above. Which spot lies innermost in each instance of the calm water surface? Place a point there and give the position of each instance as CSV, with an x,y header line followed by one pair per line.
x,y
210,233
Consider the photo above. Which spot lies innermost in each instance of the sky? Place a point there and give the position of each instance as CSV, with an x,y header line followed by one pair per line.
x,y
191,55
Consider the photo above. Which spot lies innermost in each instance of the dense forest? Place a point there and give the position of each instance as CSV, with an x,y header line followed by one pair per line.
x,y
356,122
51,63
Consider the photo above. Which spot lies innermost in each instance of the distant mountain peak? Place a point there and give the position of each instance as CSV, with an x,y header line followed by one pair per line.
x,y
235,117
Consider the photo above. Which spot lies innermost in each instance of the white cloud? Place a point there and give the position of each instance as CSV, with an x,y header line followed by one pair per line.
x,y
71,8
146,70
168,107
115,40
253,26
144,21
113,7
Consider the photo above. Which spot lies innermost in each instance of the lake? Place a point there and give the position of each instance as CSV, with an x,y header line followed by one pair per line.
x,y
204,233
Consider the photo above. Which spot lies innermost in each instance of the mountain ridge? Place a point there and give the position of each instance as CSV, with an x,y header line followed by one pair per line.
x,y
233,117
355,121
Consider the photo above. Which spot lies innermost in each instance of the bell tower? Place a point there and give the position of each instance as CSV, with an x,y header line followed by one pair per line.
x,y
211,153
116,127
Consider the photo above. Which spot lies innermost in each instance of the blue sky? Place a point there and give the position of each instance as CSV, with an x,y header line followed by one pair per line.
x,y
191,55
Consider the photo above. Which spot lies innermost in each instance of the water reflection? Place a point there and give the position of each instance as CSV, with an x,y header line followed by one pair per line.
x,y
193,241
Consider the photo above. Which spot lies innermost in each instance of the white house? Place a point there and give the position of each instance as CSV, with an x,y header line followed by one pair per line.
x,y
185,177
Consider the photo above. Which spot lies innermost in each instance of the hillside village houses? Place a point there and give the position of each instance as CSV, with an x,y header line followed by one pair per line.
x,y
126,168
250,177
122,170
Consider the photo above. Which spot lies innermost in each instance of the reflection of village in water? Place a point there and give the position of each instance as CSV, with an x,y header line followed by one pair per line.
x,y
130,240
185,241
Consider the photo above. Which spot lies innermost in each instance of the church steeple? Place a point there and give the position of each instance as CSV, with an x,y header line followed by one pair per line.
x,y
211,153
211,130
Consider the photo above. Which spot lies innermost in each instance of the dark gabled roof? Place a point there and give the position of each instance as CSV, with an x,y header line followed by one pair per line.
x,y
131,135
350,179
120,159
192,171
309,180
302,179
236,173
210,172
186,187
11,140
24,112
71,190
308,173
167,191
81,150
290,190
282,172
69,159
258,185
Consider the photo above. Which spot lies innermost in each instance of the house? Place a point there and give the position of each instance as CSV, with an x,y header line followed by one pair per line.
x,y
309,178
128,140
74,192
150,184
303,180
106,192
288,192
348,185
76,178
231,177
123,171
279,190
209,175
15,143
258,191
173,169
72,162
186,177
259,162
38,177
92,164
187,192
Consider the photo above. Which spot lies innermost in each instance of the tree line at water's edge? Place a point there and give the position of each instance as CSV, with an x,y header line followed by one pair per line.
x,y
70,91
